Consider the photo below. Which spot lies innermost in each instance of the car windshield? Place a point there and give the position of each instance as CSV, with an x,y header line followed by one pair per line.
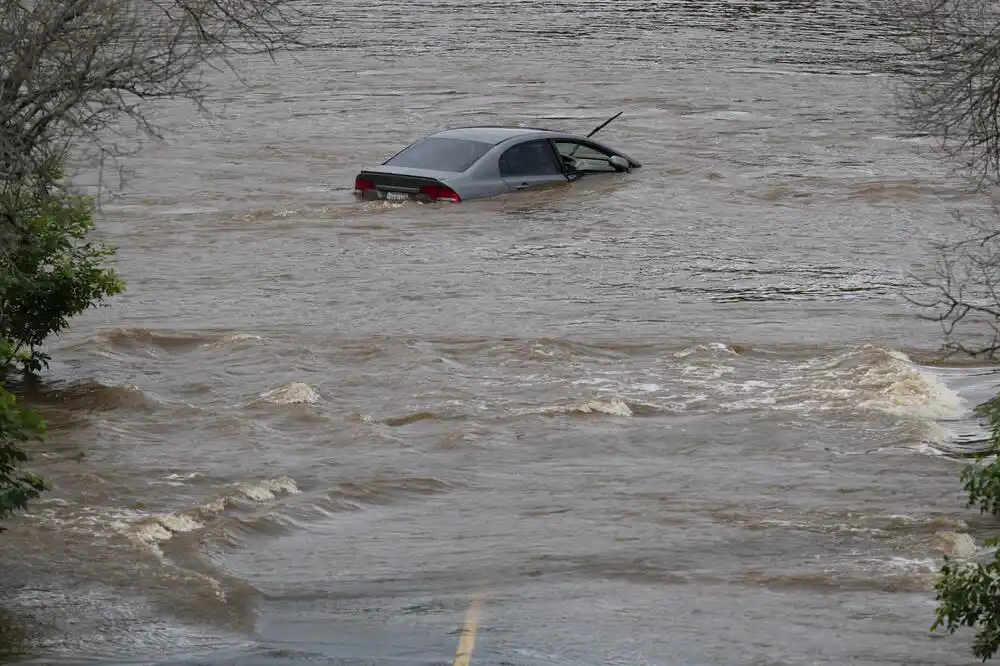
x,y
454,155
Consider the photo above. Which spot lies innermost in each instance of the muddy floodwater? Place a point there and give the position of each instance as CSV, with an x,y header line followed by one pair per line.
x,y
679,416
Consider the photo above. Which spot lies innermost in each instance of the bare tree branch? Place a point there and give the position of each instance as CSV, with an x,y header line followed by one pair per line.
x,y
953,88
964,292
72,70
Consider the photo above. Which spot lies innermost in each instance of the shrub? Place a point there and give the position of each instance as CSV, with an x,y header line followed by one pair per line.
x,y
967,592
49,273
17,425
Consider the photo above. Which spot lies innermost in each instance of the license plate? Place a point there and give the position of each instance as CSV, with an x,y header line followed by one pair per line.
x,y
396,196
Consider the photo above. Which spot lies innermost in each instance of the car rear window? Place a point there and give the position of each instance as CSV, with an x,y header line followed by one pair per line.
x,y
454,155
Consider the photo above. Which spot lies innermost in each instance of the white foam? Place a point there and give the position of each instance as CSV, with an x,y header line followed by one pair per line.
x,y
591,381
289,394
866,378
955,544
151,529
707,373
182,477
710,347
728,115
905,139
898,386
269,489
911,564
215,506
612,406
234,338
926,449
179,522
156,528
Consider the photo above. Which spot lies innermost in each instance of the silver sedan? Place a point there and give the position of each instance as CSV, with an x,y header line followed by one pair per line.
x,y
475,162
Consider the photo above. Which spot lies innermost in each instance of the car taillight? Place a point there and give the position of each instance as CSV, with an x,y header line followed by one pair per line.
x,y
438,192
362,184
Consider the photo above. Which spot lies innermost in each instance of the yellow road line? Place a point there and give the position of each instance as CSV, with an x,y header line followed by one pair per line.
x,y
467,641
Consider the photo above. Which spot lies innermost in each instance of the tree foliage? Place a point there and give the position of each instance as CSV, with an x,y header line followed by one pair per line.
x,y
49,274
968,593
981,479
17,425
74,74
967,596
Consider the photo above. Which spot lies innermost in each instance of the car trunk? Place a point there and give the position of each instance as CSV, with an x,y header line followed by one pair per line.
x,y
398,185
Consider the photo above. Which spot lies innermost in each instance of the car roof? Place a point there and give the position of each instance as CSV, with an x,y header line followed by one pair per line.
x,y
489,134
497,134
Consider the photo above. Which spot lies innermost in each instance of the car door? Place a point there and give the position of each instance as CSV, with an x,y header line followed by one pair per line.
x,y
581,158
530,164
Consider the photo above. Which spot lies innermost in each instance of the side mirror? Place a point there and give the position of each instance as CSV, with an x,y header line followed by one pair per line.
x,y
620,163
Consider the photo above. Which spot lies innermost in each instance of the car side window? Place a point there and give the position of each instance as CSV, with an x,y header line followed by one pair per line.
x,y
581,157
532,158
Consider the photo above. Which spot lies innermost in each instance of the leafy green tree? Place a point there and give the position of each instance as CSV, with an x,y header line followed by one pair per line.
x,y
74,74
17,425
49,273
968,593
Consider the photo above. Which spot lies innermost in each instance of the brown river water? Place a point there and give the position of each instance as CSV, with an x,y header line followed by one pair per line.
x,y
682,416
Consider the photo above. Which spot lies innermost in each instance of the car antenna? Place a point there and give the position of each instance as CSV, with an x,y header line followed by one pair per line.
x,y
595,131
601,126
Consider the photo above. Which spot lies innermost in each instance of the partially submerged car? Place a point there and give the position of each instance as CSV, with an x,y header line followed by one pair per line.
x,y
475,162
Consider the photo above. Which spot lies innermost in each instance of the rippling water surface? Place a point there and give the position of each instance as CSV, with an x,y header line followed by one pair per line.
x,y
680,417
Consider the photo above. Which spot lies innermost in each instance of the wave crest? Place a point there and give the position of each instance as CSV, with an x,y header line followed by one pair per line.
x,y
151,530
610,406
293,393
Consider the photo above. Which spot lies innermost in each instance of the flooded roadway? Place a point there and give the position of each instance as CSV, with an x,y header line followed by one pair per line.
x,y
680,417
